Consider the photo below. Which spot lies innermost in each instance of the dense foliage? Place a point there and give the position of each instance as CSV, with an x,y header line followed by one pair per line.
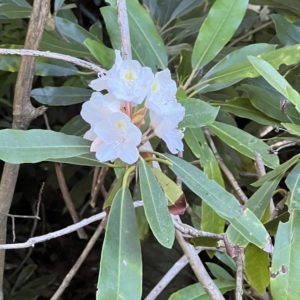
x,y
236,186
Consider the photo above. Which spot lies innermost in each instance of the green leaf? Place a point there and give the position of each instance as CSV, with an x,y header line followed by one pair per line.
x,y
219,272
269,102
244,143
72,31
81,160
13,11
222,202
276,80
285,264
104,55
35,145
76,126
257,203
198,113
292,128
257,268
218,28
43,67
287,33
210,221
52,41
279,171
242,108
147,45
156,206
290,5
172,191
235,67
60,96
120,274
196,291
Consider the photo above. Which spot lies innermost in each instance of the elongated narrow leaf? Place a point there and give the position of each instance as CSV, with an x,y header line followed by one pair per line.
x,y
198,113
196,291
222,202
60,96
285,266
244,143
43,66
13,11
88,159
172,191
276,80
155,204
268,101
120,274
279,171
219,26
31,146
147,45
242,107
213,77
257,203
104,55
242,68
287,33
257,268
210,221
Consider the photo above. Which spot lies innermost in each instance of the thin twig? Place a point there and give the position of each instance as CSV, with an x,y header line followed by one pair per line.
x,y
98,185
76,61
239,274
198,268
175,269
23,114
225,169
193,232
65,191
34,226
53,235
124,29
249,33
259,165
68,199
68,278
261,171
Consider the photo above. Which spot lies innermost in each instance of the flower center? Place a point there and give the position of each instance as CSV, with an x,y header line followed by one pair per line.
x,y
154,87
129,75
120,124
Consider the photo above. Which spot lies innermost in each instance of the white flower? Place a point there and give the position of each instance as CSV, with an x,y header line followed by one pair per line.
x,y
163,90
165,126
128,81
99,107
99,84
117,137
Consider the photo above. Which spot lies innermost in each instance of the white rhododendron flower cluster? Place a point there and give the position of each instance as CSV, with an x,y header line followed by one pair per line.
x,y
115,113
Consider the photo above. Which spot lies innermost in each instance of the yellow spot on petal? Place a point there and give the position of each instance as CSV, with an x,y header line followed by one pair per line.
x,y
154,87
129,75
120,124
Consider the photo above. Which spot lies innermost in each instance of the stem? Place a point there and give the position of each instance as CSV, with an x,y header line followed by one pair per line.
x,y
199,269
239,275
163,161
125,39
67,230
126,176
68,199
58,56
23,114
233,182
68,278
